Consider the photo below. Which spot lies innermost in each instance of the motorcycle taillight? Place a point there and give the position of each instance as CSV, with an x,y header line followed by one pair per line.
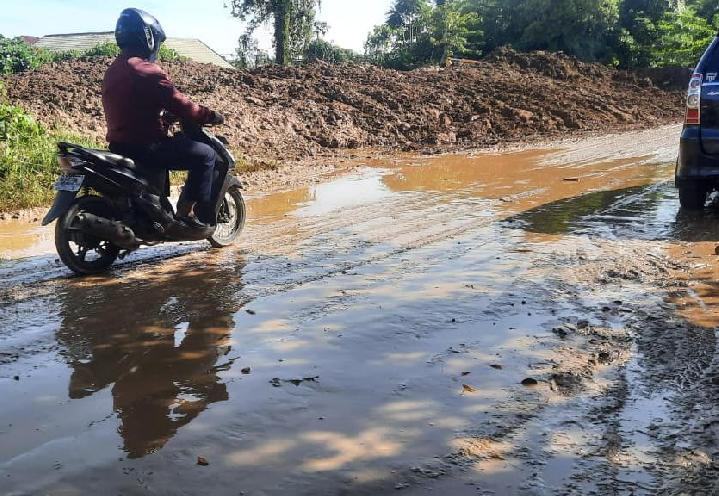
x,y
65,163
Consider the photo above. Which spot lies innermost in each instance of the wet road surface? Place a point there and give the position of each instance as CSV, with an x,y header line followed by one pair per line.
x,y
485,324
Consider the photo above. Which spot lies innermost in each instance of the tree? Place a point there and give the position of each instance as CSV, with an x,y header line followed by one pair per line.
x,y
404,40
585,28
293,23
325,51
638,30
683,36
628,33
381,45
417,32
410,17
707,9
452,27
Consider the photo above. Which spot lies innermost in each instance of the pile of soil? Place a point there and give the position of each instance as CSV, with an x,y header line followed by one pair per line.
x,y
295,113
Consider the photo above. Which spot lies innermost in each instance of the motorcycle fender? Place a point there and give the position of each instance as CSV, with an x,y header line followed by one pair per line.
x,y
63,202
231,181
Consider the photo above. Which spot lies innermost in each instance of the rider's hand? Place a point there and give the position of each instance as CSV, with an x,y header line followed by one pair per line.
x,y
217,119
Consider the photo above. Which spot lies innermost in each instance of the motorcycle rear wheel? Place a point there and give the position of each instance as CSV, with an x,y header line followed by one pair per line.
x,y
80,252
234,213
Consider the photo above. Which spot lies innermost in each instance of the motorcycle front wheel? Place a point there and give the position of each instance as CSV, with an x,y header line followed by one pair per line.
x,y
230,219
80,252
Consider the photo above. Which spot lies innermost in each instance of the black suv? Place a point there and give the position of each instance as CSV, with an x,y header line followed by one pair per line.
x,y
697,171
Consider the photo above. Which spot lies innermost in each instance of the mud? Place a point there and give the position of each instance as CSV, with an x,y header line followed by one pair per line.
x,y
299,113
472,324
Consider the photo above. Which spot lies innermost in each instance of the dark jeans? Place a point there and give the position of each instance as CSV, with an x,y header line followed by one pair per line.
x,y
178,153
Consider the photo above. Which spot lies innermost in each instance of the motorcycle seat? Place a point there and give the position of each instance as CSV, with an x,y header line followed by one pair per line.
x,y
111,158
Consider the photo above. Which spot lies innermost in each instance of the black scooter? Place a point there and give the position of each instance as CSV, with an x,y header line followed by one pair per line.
x,y
107,206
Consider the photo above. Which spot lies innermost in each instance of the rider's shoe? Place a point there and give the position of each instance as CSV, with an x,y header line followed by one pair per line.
x,y
193,222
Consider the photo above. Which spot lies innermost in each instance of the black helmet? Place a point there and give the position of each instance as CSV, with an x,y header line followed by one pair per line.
x,y
140,33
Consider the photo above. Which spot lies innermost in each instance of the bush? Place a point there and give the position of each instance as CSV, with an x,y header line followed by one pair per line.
x,y
328,52
28,164
17,56
110,49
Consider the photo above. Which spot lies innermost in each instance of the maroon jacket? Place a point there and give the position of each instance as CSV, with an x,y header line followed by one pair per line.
x,y
134,93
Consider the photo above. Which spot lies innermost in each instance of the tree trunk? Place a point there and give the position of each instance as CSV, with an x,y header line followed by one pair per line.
x,y
282,12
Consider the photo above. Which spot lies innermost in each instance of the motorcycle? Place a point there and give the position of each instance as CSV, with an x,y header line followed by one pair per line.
x,y
107,206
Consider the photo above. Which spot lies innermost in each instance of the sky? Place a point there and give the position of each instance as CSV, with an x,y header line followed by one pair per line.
x,y
350,21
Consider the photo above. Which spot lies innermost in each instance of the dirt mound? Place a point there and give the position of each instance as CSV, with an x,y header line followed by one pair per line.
x,y
281,113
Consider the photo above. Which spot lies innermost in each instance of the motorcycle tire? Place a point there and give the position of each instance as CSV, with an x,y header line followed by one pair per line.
x,y
65,237
234,209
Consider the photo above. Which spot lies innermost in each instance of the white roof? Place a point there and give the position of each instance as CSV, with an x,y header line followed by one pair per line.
x,y
191,48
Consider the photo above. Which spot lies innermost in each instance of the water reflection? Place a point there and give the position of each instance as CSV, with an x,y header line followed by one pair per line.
x,y
582,214
648,212
156,343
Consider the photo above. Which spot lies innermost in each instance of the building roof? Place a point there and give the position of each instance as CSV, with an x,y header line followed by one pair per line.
x,y
191,48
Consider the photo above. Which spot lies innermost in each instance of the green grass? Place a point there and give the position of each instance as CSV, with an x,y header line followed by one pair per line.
x,y
28,159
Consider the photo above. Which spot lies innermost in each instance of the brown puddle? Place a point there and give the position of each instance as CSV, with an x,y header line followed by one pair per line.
x,y
520,180
19,239
365,331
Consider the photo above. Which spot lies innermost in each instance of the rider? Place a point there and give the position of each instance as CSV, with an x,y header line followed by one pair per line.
x,y
135,93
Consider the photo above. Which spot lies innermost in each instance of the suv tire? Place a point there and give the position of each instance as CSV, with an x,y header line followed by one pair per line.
x,y
692,196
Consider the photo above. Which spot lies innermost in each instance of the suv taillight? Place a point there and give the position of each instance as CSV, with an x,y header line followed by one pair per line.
x,y
694,97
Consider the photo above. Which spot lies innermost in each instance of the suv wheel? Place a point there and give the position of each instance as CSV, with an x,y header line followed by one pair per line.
x,y
692,196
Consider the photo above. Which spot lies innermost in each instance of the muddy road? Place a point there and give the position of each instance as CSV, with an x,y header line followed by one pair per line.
x,y
535,322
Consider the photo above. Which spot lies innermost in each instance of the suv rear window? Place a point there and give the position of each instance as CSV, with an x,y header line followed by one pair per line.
x,y
710,60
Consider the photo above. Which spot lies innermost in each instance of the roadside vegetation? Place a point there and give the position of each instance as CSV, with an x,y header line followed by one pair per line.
x,y
17,56
416,33
28,164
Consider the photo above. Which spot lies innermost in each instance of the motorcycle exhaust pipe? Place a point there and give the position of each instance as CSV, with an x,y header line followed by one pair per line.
x,y
115,232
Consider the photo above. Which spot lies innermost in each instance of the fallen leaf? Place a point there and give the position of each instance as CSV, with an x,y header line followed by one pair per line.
x,y
469,389
201,460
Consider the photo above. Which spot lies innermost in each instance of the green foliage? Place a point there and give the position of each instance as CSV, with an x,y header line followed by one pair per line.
x,y
584,28
325,51
683,37
630,33
110,49
706,9
247,53
452,29
294,24
17,56
417,32
28,164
